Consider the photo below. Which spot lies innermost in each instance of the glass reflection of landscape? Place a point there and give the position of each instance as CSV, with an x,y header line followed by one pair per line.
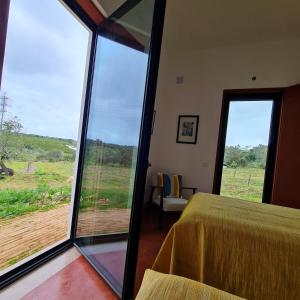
x,y
112,139
111,147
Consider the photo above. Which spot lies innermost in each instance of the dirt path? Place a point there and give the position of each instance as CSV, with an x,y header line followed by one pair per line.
x,y
23,236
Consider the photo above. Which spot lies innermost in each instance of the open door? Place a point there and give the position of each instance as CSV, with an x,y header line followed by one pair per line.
x,y
247,144
115,141
286,177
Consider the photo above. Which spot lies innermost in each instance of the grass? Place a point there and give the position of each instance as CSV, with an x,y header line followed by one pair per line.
x,y
54,174
105,187
45,185
243,183
18,202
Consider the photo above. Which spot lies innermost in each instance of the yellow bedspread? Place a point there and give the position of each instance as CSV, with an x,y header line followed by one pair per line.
x,y
248,249
158,286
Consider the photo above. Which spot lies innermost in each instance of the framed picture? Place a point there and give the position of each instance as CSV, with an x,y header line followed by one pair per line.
x,y
187,129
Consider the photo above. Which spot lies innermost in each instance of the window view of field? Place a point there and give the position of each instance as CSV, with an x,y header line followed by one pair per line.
x,y
40,104
243,172
35,200
34,194
246,149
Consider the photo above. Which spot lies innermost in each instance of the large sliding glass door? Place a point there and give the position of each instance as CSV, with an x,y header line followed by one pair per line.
x,y
114,126
40,103
111,145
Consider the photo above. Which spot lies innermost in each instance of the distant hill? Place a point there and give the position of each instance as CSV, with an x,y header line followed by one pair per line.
x,y
44,148
46,143
30,147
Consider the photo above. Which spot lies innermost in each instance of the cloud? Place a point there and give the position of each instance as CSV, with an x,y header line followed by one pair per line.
x,y
44,67
117,99
44,72
249,123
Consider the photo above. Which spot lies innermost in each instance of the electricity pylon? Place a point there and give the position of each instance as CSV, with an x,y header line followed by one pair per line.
x,y
3,105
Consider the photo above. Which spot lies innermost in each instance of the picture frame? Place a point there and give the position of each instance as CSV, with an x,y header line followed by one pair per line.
x,y
187,129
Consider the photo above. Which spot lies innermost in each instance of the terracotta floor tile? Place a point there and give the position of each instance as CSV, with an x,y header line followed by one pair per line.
x,y
76,281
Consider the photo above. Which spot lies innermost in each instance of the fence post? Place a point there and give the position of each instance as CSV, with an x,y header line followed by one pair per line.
x,y
249,179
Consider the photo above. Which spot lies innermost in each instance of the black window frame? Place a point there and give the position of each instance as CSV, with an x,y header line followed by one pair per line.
x,y
142,155
256,95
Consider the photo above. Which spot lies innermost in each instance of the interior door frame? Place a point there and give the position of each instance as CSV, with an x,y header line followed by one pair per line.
x,y
276,95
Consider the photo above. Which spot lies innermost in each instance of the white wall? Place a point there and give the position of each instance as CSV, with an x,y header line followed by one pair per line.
x,y
206,74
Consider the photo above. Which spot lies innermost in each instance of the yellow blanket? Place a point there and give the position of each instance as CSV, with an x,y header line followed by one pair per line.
x,y
248,249
158,286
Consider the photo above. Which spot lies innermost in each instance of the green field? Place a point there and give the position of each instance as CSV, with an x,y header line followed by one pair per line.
x,y
48,184
243,183
43,174
41,187
105,187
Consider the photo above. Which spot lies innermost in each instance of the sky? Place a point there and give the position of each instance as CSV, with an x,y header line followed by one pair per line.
x,y
44,67
118,94
43,76
44,71
248,123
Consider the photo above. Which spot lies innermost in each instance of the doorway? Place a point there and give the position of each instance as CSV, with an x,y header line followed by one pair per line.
x,y
247,145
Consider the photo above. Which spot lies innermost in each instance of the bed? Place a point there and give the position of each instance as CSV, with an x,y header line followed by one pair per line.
x,y
158,286
248,249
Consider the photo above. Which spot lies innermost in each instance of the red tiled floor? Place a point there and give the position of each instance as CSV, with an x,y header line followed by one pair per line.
x,y
78,280
151,239
113,262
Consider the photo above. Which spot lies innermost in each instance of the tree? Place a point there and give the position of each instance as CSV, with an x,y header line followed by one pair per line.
x,y
8,143
234,156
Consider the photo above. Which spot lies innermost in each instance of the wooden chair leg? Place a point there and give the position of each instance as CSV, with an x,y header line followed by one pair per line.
x,y
160,218
151,194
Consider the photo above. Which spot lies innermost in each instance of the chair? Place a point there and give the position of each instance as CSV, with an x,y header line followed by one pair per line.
x,y
166,201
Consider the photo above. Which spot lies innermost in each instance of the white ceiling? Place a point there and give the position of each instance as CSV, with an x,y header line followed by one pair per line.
x,y
202,24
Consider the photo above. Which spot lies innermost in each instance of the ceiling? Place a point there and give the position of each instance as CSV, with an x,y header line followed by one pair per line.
x,y
137,21
107,7
202,24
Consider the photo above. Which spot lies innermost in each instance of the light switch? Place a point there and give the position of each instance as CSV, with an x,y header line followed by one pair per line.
x,y
179,79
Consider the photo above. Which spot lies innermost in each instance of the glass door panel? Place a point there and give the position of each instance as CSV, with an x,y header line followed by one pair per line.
x,y
40,104
112,139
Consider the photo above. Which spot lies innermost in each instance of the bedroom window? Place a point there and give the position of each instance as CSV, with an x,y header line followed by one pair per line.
x,y
40,104
247,146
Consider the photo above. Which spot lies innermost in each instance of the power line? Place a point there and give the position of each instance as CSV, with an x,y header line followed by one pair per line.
x,y
3,105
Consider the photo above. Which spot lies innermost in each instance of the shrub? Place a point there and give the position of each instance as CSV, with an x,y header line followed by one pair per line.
x,y
18,202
